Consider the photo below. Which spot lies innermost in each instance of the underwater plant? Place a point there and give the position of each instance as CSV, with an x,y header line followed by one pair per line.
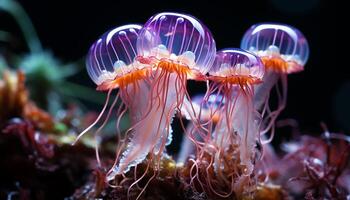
x,y
45,72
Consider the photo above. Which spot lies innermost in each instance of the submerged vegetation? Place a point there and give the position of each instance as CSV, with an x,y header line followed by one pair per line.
x,y
51,147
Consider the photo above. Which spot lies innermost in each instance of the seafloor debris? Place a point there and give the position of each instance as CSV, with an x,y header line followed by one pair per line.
x,y
167,183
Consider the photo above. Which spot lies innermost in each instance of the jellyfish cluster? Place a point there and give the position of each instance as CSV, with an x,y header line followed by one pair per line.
x,y
229,127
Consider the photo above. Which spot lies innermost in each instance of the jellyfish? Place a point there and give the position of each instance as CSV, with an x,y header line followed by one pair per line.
x,y
283,49
177,47
206,110
234,74
111,65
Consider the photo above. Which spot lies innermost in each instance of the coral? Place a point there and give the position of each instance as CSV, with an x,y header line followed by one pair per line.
x,y
323,162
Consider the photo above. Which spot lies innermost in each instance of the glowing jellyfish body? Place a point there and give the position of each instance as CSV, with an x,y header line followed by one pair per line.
x,y
283,49
177,47
110,64
234,73
177,43
110,61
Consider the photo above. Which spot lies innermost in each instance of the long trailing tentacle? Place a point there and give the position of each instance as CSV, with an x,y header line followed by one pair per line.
x,y
137,180
97,133
272,115
96,121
